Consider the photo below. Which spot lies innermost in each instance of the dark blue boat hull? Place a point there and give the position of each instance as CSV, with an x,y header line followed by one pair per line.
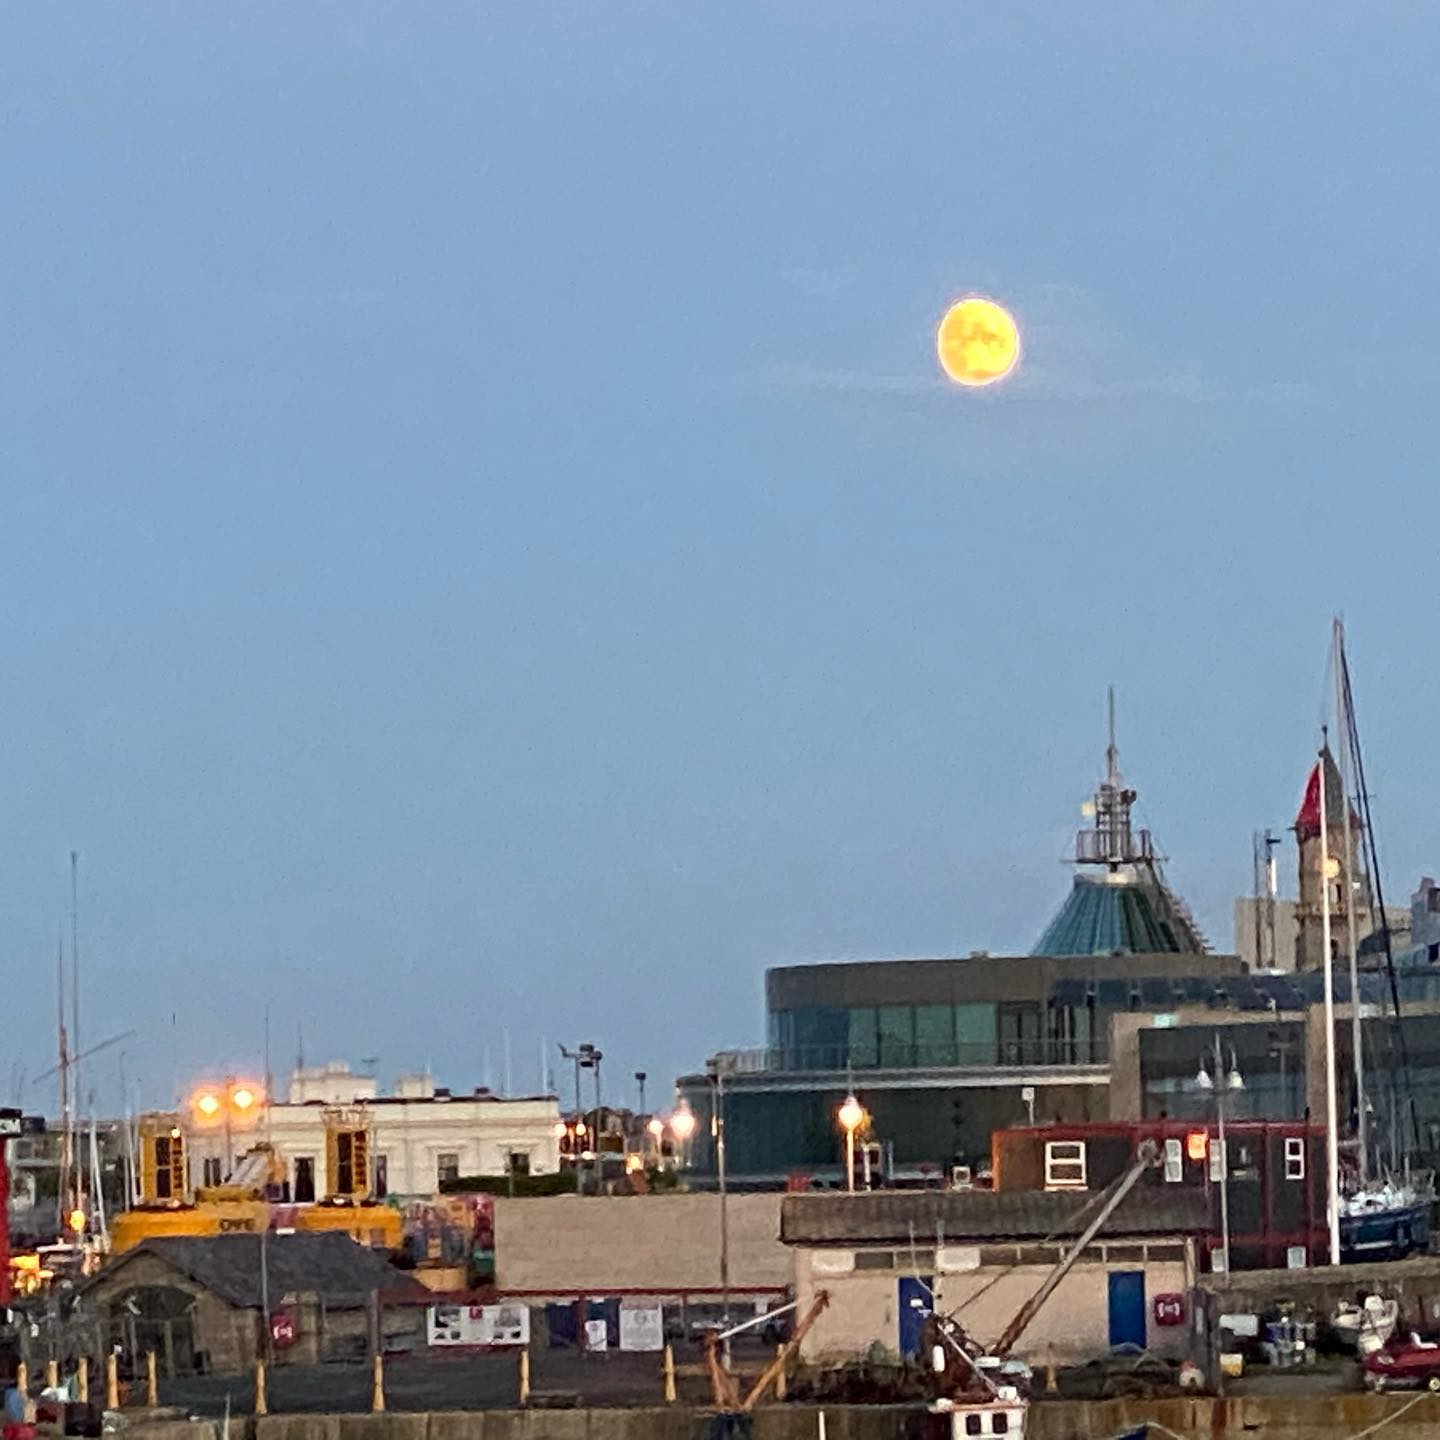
x,y
1387,1234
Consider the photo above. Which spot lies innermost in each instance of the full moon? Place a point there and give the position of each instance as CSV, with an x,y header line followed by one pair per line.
x,y
978,342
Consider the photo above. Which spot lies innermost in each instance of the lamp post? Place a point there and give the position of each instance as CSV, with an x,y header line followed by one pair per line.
x,y
1222,1081
851,1115
228,1103
716,1066
682,1127
586,1057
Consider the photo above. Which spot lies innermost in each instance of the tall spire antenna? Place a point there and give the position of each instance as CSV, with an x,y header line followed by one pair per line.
x,y
1112,755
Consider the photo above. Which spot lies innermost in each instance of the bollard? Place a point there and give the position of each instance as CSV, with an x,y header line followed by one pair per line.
x,y
22,1380
82,1380
1050,1384
377,1393
524,1377
669,1376
52,1374
112,1381
779,1372
152,1384
262,1403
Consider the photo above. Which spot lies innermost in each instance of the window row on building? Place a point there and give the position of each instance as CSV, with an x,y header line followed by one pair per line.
x,y
868,1037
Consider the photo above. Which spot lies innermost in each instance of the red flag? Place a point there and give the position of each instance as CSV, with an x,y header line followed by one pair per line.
x,y
1307,822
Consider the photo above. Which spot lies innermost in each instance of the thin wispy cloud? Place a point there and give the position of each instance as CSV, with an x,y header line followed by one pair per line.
x,y
1026,384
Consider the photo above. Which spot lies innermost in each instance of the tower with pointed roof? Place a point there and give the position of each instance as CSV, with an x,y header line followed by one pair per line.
x,y
1119,903
1344,868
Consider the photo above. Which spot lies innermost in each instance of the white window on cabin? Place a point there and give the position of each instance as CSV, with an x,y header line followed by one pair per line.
x,y
1064,1164
1295,1158
1174,1162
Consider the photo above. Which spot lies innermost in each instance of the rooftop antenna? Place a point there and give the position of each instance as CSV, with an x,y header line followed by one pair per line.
x,y
1112,755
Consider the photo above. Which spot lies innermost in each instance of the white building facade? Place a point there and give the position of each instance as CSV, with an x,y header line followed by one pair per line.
x,y
421,1135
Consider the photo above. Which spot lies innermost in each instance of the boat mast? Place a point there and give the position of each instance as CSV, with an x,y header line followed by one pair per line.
x,y
1332,1136
1367,830
62,1188
1342,720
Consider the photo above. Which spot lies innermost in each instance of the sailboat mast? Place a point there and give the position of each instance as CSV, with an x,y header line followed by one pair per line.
x,y
62,1187
1342,719
76,1085
1332,1127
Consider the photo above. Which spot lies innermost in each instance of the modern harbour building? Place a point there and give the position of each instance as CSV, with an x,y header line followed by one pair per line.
x,y
1116,1015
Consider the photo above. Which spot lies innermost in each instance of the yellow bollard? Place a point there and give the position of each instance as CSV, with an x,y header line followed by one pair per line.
x,y
112,1381
779,1372
82,1380
377,1393
524,1377
669,1376
152,1384
262,1405
52,1374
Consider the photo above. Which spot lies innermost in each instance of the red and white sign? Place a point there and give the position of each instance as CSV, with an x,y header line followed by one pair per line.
x,y
1170,1309
283,1331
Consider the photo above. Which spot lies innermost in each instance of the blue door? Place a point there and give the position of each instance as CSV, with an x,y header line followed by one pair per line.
x,y
917,1301
1127,1308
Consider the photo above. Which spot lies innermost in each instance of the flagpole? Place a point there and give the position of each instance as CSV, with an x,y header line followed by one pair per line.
x,y
1332,1126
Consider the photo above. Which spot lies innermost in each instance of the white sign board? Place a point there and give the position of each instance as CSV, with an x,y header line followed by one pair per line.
x,y
597,1335
477,1325
642,1327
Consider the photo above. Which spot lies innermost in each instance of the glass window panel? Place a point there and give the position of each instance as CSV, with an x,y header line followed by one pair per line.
x,y
934,1035
864,1037
821,1036
897,1035
975,1034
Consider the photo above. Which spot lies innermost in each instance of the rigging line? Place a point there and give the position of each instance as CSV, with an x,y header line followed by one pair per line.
x,y
1353,739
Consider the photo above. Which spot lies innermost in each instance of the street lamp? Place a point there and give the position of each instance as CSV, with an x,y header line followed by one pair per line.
x,y
682,1127
231,1103
1220,1082
851,1116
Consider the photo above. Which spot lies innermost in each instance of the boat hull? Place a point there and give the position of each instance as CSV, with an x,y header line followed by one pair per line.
x,y
1385,1234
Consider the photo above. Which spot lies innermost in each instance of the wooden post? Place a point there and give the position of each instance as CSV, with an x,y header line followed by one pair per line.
x,y
112,1380
22,1380
1050,1383
82,1380
152,1383
669,1375
780,1372
524,1375
52,1374
262,1406
377,1393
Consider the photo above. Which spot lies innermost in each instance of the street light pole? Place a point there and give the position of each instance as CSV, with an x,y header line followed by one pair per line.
x,y
1221,1084
717,1130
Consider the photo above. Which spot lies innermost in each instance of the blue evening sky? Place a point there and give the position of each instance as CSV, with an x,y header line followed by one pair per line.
x,y
484,549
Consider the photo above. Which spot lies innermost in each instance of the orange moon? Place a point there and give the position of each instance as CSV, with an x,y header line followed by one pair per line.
x,y
978,342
